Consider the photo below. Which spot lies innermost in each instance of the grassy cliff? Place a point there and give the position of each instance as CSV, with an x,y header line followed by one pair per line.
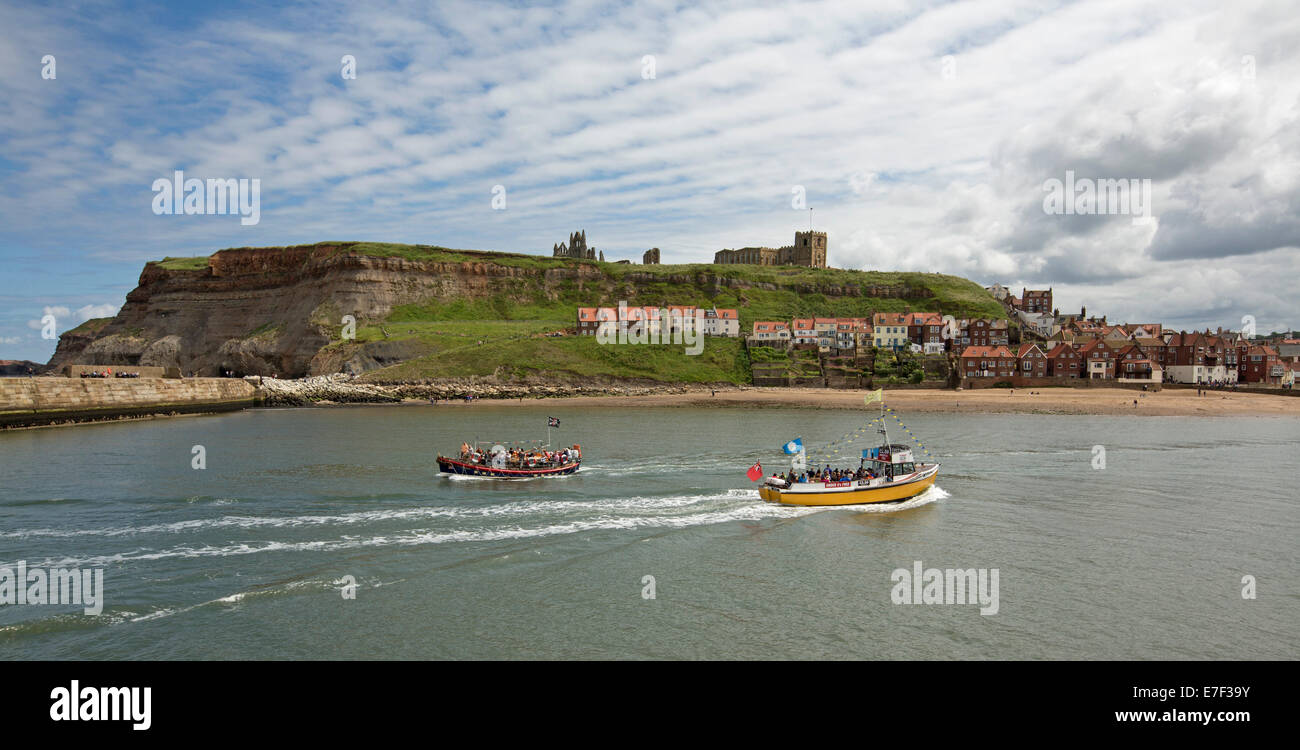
x,y
493,320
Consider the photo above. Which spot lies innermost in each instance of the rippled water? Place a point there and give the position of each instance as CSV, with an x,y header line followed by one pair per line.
x,y
248,557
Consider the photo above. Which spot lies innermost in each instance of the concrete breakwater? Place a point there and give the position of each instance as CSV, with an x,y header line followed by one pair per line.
x,y
26,402
344,389
51,400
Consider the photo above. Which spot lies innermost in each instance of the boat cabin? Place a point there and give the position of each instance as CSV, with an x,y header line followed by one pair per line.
x,y
894,459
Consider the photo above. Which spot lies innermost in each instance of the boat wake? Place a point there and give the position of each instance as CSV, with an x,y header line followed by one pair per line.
x,y
409,526
932,495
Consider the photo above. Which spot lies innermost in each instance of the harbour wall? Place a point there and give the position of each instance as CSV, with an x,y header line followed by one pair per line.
x,y
50,400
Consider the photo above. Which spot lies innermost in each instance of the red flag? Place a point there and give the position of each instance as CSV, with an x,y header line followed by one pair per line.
x,y
755,472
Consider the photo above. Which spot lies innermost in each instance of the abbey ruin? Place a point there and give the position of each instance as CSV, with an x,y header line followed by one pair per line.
x,y
576,248
809,249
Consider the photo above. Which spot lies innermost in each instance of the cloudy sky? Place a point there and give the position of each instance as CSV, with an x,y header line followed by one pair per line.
x,y
922,134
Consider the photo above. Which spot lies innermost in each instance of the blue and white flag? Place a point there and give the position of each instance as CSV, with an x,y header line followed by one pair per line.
x,y
794,446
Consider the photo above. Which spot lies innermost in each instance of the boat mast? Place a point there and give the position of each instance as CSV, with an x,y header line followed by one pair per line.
x,y
883,430
889,467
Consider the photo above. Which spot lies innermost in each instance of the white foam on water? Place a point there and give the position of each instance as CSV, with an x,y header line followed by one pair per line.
x,y
736,505
932,495
675,511
154,615
510,508
234,598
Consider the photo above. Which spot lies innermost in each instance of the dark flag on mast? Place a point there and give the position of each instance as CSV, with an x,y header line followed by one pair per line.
x,y
552,422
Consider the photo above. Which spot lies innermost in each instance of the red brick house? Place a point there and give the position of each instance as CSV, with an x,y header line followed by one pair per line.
x,y
1036,301
1197,358
1098,359
1134,363
1260,364
1064,362
1031,362
987,362
982,332
925,329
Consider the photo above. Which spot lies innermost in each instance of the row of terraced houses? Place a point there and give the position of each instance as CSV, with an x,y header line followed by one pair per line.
x,y
920,332
713,321
1079,346
1140,353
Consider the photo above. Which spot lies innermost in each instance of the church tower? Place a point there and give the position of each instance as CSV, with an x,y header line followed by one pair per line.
x,y
810,249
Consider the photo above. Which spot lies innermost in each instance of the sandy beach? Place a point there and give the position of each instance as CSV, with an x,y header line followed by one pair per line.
x,y
1113,401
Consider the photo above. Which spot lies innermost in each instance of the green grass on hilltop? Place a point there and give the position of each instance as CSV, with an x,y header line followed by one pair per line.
x,y
448,334
570,357
197,263
90,326
528,299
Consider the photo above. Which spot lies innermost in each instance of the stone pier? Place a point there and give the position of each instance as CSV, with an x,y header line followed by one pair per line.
x,y
46,400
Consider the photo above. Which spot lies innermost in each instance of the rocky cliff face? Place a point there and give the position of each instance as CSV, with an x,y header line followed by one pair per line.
x,y
268,311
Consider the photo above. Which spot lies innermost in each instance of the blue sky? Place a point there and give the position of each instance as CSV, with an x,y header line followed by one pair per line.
x,y
910,161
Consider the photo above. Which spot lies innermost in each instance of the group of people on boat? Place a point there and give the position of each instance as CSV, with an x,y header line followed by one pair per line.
x,y
827,474
516,457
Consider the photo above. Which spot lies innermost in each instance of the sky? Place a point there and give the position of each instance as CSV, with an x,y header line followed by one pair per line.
x,y
924,136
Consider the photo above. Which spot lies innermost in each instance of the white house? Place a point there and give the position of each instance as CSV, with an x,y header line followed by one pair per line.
x,y
720,322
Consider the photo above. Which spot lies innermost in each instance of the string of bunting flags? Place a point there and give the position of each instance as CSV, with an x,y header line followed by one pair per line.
x,y
830,448
908,430
833,449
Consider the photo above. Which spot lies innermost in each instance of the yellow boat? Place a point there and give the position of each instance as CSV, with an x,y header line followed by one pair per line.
x,y
898,478
888,474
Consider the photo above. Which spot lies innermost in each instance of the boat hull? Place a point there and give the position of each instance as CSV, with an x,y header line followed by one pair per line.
x,y
452,466
884,493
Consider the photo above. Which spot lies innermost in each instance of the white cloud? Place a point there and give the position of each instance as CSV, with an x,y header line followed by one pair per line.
x,y
87,312
59,312
904,167
65,318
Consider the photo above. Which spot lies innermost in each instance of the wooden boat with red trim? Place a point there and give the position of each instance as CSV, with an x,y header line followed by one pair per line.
x,y
500,463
